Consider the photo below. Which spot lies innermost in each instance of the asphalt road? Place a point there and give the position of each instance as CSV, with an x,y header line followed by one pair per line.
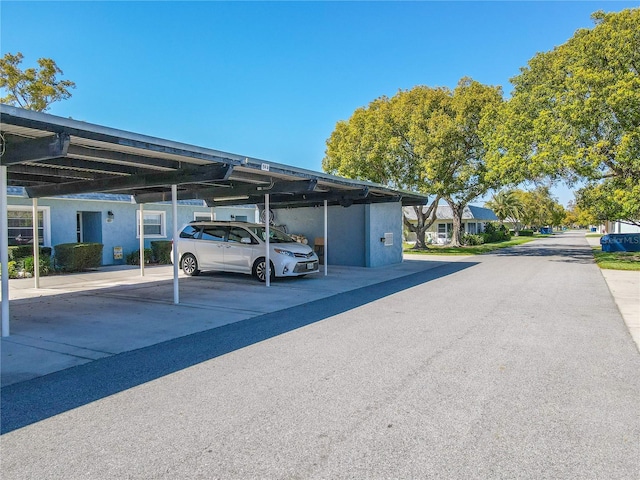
x,y
515,365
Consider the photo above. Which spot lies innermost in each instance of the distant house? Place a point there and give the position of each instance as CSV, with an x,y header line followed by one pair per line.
x,y
110,219
473,221
619,227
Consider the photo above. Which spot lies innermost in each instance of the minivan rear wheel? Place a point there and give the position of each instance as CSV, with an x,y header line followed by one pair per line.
x,y
260,270
190,265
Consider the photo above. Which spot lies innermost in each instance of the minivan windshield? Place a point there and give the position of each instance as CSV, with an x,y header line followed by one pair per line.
x,y
275,236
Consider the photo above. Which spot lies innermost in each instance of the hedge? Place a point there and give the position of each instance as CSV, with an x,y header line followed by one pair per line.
x,y
162,251
526,233
495,233
134,257
76,257
472,239
23,251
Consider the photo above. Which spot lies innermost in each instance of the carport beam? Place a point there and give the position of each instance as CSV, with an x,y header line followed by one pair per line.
x,y
4,252
176,261
36,245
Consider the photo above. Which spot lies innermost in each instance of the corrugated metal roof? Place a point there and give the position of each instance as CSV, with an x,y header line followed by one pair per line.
x,y
52,156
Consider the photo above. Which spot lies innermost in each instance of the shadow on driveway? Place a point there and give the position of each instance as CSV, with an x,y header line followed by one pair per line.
x,y
43,397
565,252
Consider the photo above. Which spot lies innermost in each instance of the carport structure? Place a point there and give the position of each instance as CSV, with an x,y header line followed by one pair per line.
x,y
51,156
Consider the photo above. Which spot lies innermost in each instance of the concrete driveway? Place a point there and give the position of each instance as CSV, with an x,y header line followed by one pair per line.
x,y
516,364
74,319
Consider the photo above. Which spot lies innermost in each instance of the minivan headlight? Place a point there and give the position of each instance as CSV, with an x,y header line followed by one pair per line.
x,y
284,252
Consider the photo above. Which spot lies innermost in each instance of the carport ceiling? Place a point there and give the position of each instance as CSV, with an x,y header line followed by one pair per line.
x,y
52,156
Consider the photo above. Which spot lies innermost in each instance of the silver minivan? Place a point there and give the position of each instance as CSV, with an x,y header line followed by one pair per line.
x,y
240,247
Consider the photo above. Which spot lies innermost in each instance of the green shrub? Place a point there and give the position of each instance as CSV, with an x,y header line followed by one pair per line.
x,y
24,251
526,233
493,233
134,257
472,239
12,267
45,265
77,257
13,270
162,251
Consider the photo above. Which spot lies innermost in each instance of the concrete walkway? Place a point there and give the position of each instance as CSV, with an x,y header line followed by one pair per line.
x,y
624,286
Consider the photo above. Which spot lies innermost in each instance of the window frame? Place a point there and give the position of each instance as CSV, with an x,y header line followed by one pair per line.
x,y
46,220
163,223
202,216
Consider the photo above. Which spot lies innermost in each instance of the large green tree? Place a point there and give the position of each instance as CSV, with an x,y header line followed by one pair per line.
x,y
507,206
424,139
603,201
539,208
576,216
575,111
33,88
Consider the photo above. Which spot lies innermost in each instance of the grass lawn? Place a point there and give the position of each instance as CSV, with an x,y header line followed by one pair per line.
x,y
471,250
617,260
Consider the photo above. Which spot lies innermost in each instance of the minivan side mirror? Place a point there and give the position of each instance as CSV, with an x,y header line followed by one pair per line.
x,y
246,240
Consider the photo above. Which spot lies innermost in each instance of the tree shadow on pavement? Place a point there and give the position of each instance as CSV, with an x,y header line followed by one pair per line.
x,y
34,400
565,253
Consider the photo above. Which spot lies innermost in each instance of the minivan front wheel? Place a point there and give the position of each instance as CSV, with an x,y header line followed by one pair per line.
x,y
190,265
260,270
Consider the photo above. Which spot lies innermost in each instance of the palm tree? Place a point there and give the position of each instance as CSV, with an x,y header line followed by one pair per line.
x,y
506,205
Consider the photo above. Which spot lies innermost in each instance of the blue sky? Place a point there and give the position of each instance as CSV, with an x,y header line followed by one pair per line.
x,y
271,79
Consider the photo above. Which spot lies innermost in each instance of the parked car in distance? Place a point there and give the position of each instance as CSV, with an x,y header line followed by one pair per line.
x,y
240,247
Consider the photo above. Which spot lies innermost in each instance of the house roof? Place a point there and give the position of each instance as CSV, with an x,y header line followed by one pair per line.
x,y
52,156
470,212
13,191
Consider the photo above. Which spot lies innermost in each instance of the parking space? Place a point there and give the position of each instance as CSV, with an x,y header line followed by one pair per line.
x,y
75,319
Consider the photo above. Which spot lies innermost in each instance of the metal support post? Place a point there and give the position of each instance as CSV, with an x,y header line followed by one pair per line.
x,y
36,245
326,240
142,239
4,251
267,261
176,259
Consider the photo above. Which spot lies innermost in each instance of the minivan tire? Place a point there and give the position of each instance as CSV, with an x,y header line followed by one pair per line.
x,y
259,269
190,265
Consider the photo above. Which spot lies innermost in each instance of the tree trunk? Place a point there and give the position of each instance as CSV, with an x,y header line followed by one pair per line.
x,y
424,219
457,223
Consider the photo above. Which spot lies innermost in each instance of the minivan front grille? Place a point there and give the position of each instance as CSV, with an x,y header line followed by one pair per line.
x,y
304,255
305,267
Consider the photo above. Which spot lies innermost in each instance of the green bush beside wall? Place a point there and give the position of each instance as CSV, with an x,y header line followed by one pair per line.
x,y
77,257
495,233
134,257
44,262
24,251
162,251
472,239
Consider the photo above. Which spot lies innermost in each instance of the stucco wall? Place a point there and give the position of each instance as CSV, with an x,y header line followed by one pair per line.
x,y
354,232
235,213
345,229
122,231
381,219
